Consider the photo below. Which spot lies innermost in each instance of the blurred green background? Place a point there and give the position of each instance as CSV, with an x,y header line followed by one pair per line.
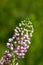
x,y
11,13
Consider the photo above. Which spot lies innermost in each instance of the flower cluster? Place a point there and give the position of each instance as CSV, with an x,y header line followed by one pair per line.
x,y
18,44
6,58
22,36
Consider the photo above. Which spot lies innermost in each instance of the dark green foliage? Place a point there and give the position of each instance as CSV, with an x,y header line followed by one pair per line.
x,y
11,13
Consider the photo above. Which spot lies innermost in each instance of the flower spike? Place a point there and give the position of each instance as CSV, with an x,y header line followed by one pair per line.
x,y
18,44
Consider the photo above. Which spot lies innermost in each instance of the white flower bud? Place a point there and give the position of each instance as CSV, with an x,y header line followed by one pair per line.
x,y
17,63
10,40
15,42
8,44
20,24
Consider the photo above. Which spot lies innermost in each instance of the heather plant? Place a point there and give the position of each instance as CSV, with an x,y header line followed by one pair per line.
x,y
18,44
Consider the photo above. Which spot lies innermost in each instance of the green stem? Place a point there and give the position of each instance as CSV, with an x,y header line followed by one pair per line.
x,y
13,59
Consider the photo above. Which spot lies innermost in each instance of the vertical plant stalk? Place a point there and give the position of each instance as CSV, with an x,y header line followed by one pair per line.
x,y
18,44
13,59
